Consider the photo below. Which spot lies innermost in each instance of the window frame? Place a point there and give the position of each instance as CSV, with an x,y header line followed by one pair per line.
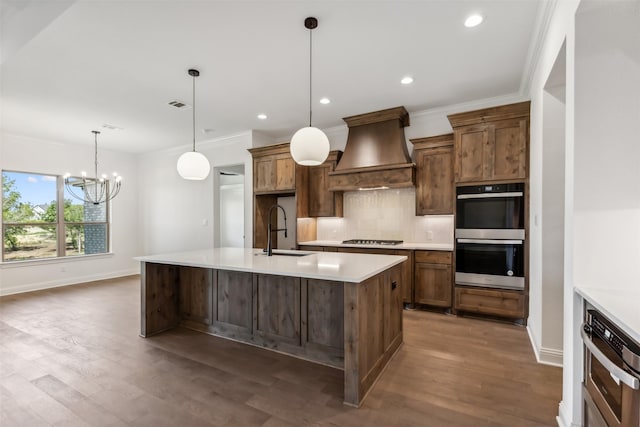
x,y
60,224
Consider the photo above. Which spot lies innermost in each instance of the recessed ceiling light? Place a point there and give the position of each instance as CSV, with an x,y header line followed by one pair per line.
x,y
325,101
406,80
262,116
473,21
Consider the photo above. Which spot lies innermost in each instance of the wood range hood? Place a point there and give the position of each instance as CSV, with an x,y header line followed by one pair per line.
x,y
376,154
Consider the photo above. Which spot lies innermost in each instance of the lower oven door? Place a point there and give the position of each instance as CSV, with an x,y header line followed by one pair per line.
x,y
490,263
611,387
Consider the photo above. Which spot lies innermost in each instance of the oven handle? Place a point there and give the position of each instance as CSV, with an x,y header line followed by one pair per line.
x,y
489,195
614,370
491,241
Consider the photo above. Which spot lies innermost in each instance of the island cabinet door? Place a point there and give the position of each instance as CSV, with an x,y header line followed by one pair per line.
x,y
233,302
393,306
323,319
195,294
160,298
276,309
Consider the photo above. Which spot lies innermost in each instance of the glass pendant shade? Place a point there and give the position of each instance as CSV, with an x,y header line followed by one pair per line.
x,y
309,146
193,165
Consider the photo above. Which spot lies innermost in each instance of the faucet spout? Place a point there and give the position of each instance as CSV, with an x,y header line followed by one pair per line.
x,y
269,248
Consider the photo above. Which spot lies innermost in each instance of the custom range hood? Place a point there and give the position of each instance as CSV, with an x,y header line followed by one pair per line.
x,y
376,154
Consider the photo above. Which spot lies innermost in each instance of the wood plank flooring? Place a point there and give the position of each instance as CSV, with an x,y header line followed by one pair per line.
x,y
72,357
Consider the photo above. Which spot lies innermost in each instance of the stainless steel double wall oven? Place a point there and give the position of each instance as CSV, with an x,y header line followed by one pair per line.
x,y
490,236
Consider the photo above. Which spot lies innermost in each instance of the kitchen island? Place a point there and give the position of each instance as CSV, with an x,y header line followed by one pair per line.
x,y
339,309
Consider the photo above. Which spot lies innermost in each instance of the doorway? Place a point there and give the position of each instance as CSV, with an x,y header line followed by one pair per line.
x,y
229,206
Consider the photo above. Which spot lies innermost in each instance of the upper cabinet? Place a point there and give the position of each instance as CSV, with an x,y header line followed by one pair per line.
x,y
491,144
434,175
322,202
274,170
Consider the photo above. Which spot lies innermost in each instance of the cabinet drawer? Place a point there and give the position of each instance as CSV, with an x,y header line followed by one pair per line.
x,y
434,257
490,301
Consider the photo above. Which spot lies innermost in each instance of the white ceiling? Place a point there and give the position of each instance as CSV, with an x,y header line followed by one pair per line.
x,y
70,68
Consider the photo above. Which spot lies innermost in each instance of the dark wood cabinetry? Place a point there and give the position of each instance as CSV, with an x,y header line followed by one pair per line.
x,y
434,175
491,144
274,170
195,294
322,202
433,278
497,302
406,267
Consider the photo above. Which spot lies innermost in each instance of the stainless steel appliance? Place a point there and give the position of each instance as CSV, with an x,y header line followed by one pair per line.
x,y
490,211
372,242
490,234
611,387
490,263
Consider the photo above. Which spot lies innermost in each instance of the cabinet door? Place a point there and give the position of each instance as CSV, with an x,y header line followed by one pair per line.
x,y
508,159
264,174
434,181
392,315
196,294
322,202
320,198
433,284
471,146
285,173
276,308
234,302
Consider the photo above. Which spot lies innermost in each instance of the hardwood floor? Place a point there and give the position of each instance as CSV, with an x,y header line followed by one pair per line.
x,y
72,356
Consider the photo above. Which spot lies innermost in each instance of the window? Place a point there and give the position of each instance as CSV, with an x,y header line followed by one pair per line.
x,y
41,219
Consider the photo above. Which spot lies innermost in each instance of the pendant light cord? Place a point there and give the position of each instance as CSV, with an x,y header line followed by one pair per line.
x,y
194,113
310,68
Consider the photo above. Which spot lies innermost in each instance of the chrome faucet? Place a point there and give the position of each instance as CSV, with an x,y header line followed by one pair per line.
x,y
269,249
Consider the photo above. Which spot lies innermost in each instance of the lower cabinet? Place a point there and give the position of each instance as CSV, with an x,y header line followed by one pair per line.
x,y
276,308
433,274
497,302
233,303
195,294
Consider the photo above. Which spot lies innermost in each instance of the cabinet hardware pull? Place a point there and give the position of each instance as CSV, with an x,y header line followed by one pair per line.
x,y
394,285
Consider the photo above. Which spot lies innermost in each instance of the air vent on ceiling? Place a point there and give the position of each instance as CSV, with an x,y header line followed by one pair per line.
x,y
111,127
179,104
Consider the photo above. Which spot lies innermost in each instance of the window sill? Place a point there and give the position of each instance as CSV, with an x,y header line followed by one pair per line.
x,y
56,260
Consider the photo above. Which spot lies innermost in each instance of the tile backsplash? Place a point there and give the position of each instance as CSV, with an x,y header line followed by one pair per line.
x,y
385,214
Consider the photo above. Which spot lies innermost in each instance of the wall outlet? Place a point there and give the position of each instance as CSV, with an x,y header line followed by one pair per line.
x,y
429,236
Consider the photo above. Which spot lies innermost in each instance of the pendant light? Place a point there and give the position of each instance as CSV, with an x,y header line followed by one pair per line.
x,y
193,165
309,145
95,190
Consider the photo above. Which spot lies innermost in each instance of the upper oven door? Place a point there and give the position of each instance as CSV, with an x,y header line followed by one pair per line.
x,y
490,211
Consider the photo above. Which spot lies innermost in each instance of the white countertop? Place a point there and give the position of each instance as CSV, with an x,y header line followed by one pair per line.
x,y
405,245
343,267
621,306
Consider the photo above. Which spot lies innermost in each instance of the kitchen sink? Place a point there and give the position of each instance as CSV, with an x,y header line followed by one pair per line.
x,y
284,253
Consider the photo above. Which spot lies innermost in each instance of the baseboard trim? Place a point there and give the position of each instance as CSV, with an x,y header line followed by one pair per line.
x,y
563,419
30,287
545,356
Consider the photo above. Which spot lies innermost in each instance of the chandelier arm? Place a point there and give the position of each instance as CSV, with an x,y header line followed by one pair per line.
x,y
72,192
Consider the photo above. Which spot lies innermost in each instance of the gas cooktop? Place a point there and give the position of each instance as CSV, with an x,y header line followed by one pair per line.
x,y
372,242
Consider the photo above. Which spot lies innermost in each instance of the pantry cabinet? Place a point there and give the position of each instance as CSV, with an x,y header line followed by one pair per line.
x,y
491,144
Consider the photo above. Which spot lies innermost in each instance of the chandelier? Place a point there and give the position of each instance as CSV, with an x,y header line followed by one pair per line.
x,y
95,190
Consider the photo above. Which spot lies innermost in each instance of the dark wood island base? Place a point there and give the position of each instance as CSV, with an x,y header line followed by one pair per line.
x,y
356,327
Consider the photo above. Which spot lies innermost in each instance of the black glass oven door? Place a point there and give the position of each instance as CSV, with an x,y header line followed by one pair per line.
x,y
491,263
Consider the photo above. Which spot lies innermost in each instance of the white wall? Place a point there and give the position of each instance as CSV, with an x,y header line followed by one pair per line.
x,y
607,146
176,214
560,31
52,157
